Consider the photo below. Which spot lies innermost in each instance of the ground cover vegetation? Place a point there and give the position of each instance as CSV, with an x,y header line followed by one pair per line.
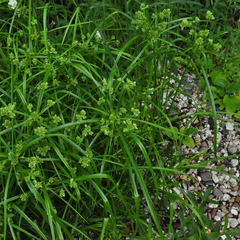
x,y
85,123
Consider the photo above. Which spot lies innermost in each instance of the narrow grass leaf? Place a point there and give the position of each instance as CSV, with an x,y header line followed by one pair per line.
x,y
34,225
143,186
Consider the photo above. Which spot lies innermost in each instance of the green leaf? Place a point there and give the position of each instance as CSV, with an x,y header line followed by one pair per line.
x,y
233,232
219,79
181,60
225,223
233,87
213,236
188,141
217,227
171,135
193,237
232,104
193,199
228,237
221,92
192,131
207,193
222,167
237,115
221,104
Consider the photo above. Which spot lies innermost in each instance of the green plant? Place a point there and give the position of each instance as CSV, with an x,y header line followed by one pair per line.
x,y
88,137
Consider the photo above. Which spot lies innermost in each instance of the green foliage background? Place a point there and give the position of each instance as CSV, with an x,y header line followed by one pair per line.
x,y
88,140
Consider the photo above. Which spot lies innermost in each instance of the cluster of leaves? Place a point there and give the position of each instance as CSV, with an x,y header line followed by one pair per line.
x,y
221,67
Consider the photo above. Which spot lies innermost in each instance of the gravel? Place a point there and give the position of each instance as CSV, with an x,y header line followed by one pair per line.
x,y
225,189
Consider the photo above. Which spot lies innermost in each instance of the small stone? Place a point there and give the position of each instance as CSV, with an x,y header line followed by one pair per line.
x,y
236,142
217,193
175,205
233,182
234,211
226,161
234,193
206,176
224,209
220,214
213,213
224,189
201,170
229,126
215,178
226,178
176,190
212,205
210,196
226,197
209,183
232,149
235,188
233,222
234,162
238,199
232,200
217,218
183,177
232,172
236,205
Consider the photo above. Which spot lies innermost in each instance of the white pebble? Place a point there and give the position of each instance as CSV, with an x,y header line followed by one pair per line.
x,y
234,162
226,197
234,211
212,205
233,182
220,214
215,178
217,218
233,222
229,126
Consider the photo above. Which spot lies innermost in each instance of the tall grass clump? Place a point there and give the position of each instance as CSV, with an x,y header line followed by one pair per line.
x,y
88,140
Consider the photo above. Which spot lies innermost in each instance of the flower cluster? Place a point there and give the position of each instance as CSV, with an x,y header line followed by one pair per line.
x,y
34,161
129,84
200,37
8,111
40,131
34,116
81,116
185,23
151,31
101,101
43,86
43,150
13,157
56,119
84,161
87,130
73,184
130,126
209,15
